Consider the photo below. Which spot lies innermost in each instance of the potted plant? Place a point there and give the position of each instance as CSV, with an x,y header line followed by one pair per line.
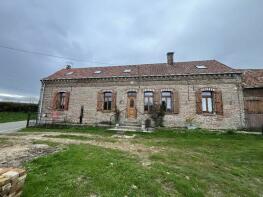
x,y
190,124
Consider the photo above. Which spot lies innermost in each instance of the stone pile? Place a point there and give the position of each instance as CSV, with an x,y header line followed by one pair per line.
x,y
11,182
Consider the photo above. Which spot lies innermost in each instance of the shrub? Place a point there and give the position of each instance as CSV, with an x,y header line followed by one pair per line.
x,y
157,114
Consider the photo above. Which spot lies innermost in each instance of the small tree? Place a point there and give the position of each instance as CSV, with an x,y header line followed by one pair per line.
x,y
157,114
117,116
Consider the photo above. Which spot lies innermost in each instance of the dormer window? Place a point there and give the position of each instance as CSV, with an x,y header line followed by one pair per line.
x,y
97,72
127,70
69,73
201,66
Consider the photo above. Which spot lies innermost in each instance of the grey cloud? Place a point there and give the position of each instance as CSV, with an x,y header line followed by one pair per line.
x,y
124,32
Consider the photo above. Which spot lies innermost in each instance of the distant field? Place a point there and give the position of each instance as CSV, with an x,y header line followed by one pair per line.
x,y
12,116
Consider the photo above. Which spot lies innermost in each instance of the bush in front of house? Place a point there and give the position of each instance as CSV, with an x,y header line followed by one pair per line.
x,y
157,114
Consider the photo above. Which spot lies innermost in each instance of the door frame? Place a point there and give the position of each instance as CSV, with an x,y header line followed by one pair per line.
x,y
133,95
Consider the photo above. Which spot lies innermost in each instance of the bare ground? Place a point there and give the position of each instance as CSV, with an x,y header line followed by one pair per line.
x,y
21,147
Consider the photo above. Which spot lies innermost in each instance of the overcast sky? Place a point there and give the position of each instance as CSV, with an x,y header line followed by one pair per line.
x,y
115,32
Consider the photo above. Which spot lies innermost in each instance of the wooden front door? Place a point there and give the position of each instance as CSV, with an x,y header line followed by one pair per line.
x,y
131,105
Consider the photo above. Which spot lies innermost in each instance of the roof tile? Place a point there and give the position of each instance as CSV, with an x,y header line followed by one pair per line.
x,y
161,69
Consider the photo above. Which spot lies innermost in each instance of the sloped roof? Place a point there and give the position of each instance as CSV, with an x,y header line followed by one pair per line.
x,y
252,78
161,69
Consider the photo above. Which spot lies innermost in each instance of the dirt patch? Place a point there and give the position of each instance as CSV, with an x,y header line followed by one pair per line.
x,y
16,152
24,150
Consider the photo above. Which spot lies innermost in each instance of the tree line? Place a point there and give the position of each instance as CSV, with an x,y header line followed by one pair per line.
x,y
18,107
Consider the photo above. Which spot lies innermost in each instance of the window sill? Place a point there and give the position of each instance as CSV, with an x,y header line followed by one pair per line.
x,y
106,111
208,114
60,110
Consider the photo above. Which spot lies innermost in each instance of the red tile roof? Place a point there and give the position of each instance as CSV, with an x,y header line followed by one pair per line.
x,y
252,78
162,69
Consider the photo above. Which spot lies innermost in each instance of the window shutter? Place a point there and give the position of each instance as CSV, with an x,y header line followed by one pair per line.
x,y
55,101
99,101
157,98
198,96
176,106
218,102
114,99
66,102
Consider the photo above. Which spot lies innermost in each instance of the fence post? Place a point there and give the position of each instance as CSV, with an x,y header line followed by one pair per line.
x,y
28,119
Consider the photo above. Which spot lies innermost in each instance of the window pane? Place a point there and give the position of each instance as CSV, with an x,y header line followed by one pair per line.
x,y
105,106
209,102
168,94
108,93
206,93
204,104
132,93
62,100
150,100
148,93
168,104
145,107
131,103
109,105
145,101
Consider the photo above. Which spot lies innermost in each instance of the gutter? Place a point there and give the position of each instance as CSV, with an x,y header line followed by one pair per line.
x,y
141,76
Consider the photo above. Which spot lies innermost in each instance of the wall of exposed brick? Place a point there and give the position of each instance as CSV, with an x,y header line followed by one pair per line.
x,y
85,93
11,182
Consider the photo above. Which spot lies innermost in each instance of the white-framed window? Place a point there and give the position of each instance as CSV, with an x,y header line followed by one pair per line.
x,y
107,101
61,101
166,100
148,101
207,102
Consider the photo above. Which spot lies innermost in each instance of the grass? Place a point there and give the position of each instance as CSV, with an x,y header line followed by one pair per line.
x,y
84,170
198,163
13,116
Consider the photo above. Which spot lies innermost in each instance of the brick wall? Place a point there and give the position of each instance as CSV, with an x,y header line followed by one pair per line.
x,y
85,93
11,182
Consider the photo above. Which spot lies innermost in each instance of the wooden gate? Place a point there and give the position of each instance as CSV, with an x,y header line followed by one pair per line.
x,y
254,108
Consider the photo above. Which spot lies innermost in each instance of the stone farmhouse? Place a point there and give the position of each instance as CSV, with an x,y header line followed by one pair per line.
x,y
213,95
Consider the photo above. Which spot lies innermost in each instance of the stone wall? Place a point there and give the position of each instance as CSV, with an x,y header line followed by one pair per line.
x,y
11,182
84,93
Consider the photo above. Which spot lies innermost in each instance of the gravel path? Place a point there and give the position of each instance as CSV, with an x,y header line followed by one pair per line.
x,y
10,127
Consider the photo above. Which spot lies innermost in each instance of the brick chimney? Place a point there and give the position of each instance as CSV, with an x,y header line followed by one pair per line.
x,y
170,58
68,66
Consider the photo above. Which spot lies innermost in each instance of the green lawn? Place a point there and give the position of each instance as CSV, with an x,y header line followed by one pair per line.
x,y
12,116
187,164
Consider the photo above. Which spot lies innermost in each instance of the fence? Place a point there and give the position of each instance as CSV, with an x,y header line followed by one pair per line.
x,y
47,120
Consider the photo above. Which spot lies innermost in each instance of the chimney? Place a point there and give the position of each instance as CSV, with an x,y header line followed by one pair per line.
x,y
170,58
68,66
